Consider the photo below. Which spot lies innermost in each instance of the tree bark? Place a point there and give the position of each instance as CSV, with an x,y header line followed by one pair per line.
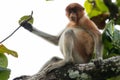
x,y
91,71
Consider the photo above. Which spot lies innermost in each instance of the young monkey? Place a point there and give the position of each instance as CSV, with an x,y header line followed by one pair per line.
x,y
78,40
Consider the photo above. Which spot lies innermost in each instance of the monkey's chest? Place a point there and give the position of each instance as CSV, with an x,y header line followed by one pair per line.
x,y
77,42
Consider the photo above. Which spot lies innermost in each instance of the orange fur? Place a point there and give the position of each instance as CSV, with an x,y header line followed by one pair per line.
x,y
86,32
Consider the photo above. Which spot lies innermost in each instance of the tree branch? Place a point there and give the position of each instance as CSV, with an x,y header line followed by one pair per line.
x,y
108,68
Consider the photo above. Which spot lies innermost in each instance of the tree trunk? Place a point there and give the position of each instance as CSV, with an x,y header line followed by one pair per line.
x,y
91,71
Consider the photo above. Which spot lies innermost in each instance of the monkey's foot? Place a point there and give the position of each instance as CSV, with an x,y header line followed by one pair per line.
x,y
48,69
97,62
53,66
24,77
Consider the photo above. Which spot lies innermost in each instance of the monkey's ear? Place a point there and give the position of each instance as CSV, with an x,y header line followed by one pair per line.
x,y
83,8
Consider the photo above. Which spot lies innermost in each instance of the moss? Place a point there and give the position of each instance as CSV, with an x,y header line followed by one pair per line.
x,y
76,75
73,74
85,76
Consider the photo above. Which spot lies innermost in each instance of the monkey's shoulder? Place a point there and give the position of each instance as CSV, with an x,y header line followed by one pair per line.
x,y
79,32
75,29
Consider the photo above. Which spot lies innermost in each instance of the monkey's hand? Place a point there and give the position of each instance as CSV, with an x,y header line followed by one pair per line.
x,y
27,26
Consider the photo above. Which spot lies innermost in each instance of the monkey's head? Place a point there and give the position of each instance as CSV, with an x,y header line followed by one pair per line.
x,y
74,12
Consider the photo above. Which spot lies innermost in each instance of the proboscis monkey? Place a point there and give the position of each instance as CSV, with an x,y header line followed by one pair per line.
x,y
77,41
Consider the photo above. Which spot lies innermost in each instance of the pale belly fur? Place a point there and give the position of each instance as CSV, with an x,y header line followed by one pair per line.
x,y
81,44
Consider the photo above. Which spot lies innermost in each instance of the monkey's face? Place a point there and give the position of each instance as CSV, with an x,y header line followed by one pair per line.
x,y
74,11
72,15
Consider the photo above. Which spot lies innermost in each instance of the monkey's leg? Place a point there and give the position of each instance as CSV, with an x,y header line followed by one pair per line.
x,y
99,53
38,75
98,49
51,61
66,47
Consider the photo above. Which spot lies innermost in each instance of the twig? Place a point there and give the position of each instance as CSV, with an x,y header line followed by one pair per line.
x,y
16,29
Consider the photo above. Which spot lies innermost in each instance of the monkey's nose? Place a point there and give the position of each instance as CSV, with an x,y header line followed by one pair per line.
x,y
73,18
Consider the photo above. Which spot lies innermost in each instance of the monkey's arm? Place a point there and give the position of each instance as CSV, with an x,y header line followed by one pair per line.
x,y
48,37
97,38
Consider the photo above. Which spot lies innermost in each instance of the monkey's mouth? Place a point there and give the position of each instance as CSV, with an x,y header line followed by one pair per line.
x,y
73,19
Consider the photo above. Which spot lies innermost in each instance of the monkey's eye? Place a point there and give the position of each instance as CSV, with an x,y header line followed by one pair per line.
x,y
73,11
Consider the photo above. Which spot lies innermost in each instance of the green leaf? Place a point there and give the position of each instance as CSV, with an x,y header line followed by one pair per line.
x,y
25,18
102,7
118,2
114,78
116,39
107,38
4,73
111,40
117,21
95,7
108,32
94,12
88,6
3,49
91,9
3,60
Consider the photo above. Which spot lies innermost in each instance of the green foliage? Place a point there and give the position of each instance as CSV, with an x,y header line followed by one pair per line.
x,y
95,7
102,7
3,50
111,40
96,10
3,60
92,11
118,2
115,78
117,21
4,73
26,17
99,11
116,40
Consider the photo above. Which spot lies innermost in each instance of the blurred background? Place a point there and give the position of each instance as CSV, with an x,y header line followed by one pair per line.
x,y
49,16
